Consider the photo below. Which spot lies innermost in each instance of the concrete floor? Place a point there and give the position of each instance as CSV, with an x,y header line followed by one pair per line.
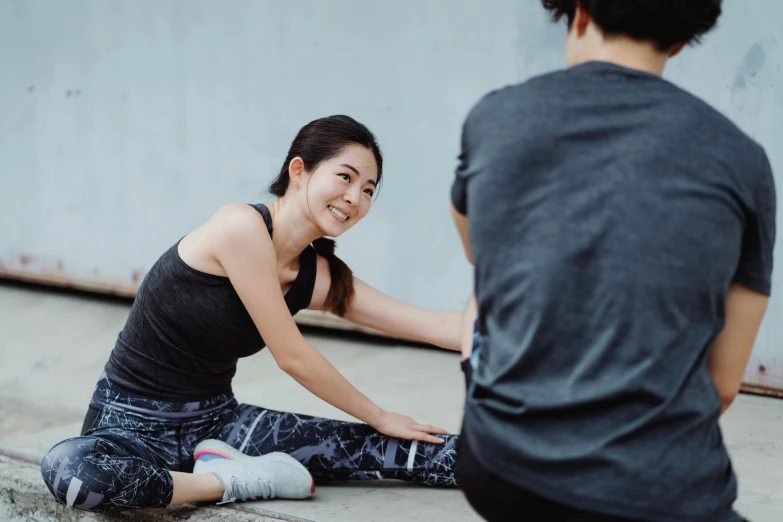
x,y
53,346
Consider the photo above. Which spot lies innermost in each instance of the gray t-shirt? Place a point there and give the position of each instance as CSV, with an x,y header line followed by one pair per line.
x,y
609,211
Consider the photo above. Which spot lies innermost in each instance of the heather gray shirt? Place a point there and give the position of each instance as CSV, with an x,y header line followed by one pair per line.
x,y
609,211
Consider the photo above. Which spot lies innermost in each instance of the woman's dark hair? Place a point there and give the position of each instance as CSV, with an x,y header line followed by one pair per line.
x,y
316,142
665,22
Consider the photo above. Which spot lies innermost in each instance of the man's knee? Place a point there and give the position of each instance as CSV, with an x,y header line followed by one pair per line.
x,y
70,475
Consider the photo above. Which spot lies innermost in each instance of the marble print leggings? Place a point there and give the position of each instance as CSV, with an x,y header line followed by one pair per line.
x,y
129,445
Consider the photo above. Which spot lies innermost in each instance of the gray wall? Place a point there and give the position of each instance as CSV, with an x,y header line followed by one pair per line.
x,y
123,125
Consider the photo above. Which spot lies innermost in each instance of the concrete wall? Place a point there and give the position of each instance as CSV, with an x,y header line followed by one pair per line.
x,y
123,125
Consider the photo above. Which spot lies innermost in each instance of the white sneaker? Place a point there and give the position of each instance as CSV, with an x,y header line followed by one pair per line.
x,y
274,475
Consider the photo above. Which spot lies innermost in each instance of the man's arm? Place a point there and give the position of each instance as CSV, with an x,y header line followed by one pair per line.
x,y
468,320
730,352
747,298
461,221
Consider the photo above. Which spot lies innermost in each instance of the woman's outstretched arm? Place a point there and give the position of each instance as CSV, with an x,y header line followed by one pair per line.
x,y
241,244
381,312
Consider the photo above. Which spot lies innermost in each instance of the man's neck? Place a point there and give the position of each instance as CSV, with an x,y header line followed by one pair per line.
x,y
629,53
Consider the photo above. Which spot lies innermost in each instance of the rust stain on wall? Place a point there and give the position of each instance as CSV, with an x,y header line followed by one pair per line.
x,y
757,389
66,281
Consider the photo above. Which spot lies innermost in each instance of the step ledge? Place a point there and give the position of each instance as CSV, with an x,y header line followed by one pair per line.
x,y
24,496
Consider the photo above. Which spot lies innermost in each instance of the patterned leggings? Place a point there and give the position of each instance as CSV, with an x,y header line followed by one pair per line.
x,y
129,444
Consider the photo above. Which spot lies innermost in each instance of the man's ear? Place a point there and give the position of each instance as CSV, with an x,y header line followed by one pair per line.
x,y
581,20
676,50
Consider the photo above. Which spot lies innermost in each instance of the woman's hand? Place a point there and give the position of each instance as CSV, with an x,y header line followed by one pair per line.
x,y
402,427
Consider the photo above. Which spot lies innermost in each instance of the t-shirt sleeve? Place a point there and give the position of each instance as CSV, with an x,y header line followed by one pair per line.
x,y
754,270
459,188
474,130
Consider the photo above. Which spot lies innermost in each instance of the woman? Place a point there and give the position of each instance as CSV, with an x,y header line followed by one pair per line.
x,y
221,293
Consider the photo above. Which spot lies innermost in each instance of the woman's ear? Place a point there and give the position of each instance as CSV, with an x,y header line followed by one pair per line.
x,y
296,170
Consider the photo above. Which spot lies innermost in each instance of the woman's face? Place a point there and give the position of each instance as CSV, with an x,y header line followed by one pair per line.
x,y
339,191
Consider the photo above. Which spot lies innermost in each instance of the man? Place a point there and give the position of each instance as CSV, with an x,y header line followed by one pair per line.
x,y
622,234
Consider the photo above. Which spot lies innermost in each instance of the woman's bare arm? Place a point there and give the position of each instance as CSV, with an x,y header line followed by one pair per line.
x,y
377,310
241,244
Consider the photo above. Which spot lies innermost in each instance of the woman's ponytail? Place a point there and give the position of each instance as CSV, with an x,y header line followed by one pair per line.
x,y
341,289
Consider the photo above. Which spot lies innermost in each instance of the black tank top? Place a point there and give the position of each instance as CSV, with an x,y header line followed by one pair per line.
x,y
187,329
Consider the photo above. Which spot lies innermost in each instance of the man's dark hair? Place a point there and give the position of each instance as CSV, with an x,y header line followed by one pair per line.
x,y
664,22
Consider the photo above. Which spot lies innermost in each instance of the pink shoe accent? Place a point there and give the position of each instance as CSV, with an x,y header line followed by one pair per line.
x,y
210,452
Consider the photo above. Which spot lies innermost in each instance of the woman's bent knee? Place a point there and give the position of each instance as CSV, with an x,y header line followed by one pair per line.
x,y
100,475
66,471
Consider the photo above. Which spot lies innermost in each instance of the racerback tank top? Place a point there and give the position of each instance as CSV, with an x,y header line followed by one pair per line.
x,y
187,329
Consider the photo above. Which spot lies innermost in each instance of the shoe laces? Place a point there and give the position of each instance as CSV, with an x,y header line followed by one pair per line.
x,y
259,486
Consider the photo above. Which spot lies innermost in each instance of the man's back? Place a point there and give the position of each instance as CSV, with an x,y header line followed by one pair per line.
x,y
609,211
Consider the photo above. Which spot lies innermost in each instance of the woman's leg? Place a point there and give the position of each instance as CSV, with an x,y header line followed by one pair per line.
x,y
128,450
115,472
106,473
338,450
195,487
